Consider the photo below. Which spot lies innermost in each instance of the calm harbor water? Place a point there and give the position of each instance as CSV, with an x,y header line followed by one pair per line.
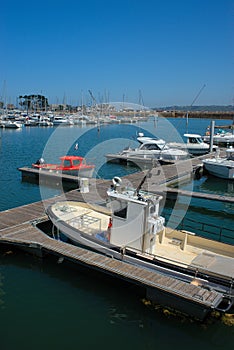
x,y
51,305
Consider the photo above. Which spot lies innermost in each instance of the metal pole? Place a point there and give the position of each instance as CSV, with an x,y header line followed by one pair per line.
x,y
212,124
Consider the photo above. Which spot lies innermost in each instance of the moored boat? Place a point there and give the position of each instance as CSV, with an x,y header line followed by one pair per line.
x,y
193,144
222,167
60,120
69,165
221,138
11,124
131,229
150,149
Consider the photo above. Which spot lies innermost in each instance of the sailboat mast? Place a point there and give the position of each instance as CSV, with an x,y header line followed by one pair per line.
x,y
195,99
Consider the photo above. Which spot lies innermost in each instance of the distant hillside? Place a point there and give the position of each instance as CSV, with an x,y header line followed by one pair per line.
x,y
212,108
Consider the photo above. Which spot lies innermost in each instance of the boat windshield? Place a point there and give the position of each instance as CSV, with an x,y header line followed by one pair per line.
x,y
119,208
193,140
153,146
76,162
66,163
199,140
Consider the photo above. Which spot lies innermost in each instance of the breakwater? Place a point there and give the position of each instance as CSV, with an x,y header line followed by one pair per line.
x,y
198,114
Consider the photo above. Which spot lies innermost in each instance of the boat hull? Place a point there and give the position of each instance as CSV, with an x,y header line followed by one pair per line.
x,y
219,170
161,155
221,140
195,150
85,172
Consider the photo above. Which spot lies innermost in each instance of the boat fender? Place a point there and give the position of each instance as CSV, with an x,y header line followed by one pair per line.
x,y
109,229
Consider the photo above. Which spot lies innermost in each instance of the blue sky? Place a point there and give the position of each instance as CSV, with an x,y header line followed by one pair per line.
x,y
167,50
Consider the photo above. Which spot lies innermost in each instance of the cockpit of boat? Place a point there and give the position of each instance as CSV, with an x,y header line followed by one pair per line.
x,y
194,139
154,146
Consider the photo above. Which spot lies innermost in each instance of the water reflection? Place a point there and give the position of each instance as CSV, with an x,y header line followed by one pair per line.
x,y
216,185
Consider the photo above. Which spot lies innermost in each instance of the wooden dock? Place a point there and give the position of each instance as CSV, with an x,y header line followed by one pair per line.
x,y
160,174
18,228
174,192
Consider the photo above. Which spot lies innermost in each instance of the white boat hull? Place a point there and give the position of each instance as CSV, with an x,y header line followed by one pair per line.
x,y
219,169
192,150
172,155
221,139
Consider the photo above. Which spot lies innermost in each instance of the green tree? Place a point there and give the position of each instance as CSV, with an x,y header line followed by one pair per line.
x,y
33,102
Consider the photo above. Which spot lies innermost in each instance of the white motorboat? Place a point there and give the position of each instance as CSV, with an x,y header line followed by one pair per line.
x,y
193,144
129,228
11,124
30,122
60,120
44,121
222,167
151,148
221,138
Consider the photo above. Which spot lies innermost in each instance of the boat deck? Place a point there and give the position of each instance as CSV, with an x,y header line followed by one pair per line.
x,y
180,252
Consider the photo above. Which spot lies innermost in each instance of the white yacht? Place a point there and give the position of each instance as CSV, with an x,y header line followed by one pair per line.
x,y
155,148
60,120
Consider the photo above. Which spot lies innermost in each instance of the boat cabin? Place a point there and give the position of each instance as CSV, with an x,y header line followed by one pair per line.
x,y
194,139
154,145
149,143
71,161
135,219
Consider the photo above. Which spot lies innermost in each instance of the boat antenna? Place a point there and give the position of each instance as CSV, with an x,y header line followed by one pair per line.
x,y
142,182
195,99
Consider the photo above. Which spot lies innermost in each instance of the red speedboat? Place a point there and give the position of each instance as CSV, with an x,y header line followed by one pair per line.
x,y
70,165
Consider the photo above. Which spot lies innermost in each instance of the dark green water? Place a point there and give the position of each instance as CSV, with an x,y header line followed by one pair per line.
x,y
44,304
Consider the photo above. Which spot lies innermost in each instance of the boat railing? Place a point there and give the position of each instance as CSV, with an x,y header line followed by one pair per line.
x,y
211,231
85,221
